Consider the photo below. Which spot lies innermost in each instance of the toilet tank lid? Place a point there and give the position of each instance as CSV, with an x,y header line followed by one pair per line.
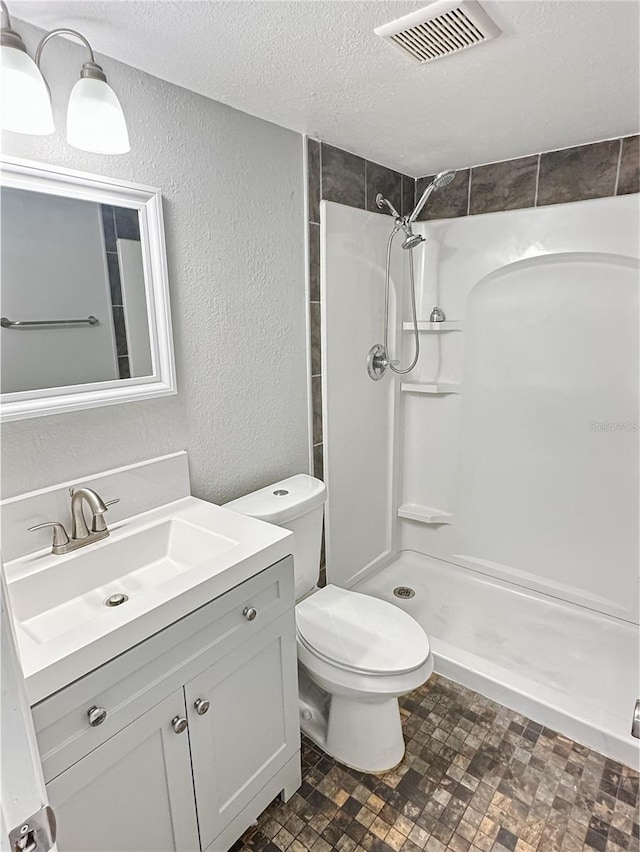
x,y
302,493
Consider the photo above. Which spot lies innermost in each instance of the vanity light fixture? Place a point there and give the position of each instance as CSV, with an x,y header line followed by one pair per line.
x,y
95,120
22,85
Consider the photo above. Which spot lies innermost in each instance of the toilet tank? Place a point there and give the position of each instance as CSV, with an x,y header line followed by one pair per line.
x,y
296,504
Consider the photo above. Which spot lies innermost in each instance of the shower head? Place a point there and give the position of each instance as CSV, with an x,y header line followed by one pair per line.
x,y
443,178
440,180
412,240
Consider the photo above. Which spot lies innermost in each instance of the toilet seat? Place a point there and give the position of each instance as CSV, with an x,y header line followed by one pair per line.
x,y
360,633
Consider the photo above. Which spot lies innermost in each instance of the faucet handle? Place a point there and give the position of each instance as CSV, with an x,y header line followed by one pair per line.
x,y
99,524
60,536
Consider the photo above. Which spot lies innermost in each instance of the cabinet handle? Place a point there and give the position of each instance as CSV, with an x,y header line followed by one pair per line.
x,y
201,705
249,613
96,715
179,724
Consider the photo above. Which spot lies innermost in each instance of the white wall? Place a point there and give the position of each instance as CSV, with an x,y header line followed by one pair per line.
x,y
233,205
43,280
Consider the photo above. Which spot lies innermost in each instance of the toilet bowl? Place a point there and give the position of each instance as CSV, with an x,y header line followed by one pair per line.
x,y
364,653
356,654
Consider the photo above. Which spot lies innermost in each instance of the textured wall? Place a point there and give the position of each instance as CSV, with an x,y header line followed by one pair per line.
x,y
560,73
233,204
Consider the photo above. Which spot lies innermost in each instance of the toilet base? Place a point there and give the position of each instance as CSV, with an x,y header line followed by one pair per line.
x,y
367,737
364,735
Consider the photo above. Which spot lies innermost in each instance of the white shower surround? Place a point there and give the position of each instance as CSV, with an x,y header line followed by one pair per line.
x,y
531,645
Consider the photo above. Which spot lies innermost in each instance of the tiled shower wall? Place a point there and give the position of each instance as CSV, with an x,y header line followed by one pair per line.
x,y
597,170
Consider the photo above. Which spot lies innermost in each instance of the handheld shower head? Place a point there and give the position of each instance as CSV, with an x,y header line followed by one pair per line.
x,y
441,180
412,240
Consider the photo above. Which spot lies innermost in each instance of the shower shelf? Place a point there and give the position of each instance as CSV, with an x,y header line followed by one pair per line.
x,y
425,325
424,514
430,387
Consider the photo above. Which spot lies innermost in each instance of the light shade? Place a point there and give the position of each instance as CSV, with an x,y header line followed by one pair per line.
x,y
95,121
26,105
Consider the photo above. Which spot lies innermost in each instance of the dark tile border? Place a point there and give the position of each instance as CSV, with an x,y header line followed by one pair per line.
x,y
316,342
629,172
118,223
380,179
596,170
343,177
503,186
313,180
450,202
576,174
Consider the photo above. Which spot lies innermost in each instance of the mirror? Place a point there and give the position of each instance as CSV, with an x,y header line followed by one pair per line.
x,y
84,296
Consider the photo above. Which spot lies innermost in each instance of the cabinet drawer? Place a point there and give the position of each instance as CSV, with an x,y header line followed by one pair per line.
x,y
137,680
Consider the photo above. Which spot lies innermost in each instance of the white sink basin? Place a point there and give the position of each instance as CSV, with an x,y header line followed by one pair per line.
x,y
167,562
50,603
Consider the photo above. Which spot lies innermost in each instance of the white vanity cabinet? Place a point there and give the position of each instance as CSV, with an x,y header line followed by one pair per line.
x,y
199,733
134,792
245,735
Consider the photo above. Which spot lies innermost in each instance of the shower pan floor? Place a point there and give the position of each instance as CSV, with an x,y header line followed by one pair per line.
x,y
563,665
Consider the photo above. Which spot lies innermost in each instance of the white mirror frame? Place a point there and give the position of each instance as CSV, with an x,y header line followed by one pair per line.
x,y
54,180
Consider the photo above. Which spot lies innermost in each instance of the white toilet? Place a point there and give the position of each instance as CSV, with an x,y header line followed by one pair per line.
x,y
356,653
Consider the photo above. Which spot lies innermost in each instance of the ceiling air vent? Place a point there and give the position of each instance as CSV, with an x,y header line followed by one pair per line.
x,y
440,29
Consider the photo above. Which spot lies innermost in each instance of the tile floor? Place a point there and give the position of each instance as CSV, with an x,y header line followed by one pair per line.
x,y
476,776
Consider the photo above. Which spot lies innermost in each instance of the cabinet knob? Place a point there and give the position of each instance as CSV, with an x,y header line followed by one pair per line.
x,y
249,613
96,715
201,705
179,724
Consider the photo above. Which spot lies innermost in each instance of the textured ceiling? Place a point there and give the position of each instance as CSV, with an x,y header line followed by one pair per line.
x,y
561,73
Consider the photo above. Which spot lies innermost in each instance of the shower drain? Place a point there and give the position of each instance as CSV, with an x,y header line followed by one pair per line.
x,y
404,592
116,600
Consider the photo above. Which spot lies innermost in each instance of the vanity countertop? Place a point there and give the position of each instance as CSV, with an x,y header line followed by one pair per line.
x,y
169,561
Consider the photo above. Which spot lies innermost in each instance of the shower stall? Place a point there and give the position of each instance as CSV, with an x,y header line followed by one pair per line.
x,y
498,478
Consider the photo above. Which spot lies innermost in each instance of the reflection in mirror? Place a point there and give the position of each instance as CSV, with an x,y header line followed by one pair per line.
x,y
73,295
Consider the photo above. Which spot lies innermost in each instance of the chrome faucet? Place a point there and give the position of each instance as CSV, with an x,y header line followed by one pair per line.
x,y
81,535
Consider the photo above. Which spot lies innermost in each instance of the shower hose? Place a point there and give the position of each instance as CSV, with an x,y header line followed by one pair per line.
x,y
391,363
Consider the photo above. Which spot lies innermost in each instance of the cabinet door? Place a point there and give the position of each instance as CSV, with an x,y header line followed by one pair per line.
x,y
134,792
251,727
